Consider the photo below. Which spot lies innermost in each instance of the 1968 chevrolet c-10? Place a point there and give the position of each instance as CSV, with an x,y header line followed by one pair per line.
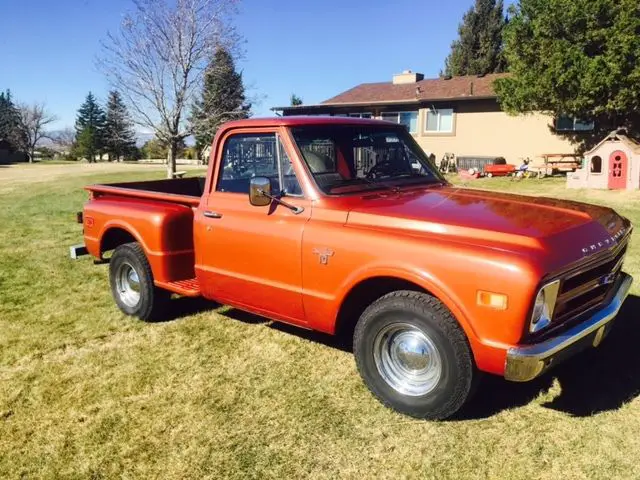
x,y
343,225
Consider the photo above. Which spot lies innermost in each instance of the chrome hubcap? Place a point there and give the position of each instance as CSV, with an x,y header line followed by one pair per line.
x,y
407,359
128,285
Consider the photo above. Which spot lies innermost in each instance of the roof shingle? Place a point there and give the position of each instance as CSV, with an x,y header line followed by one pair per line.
x,y
456,88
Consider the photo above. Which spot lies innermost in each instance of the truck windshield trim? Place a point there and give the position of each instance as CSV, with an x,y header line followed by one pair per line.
x,y
346,159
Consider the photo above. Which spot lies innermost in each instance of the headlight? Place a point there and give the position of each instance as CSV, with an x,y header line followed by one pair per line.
x,y
544,306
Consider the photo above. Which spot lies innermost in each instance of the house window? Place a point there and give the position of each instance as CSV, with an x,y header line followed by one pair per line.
x,y
439,121
565,123
360,115
408,119
596,164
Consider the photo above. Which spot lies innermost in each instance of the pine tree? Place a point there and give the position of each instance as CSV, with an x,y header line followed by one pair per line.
x,y
90,129
580,59
223,98
119,137
10,125
478,49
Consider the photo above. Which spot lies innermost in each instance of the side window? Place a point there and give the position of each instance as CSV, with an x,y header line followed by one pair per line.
x,y
256,155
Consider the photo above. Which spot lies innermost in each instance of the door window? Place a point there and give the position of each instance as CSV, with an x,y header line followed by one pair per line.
x,y
256,155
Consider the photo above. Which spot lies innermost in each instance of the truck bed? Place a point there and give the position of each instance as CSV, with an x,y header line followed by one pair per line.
x,y
178,190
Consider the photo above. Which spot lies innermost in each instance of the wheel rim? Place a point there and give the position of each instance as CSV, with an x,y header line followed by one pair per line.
x,y
128,284
407,359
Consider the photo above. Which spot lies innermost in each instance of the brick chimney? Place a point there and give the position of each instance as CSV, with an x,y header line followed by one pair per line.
x,y
407,76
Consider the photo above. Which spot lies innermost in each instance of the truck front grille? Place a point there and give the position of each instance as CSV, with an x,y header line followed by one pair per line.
x,y
588,286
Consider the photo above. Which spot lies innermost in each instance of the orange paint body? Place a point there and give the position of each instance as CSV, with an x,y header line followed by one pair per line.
x,y
299,268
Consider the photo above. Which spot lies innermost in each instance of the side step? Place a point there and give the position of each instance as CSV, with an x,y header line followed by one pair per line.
x,y
189,287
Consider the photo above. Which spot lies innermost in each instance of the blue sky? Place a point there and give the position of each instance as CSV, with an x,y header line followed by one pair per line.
x,y
315,48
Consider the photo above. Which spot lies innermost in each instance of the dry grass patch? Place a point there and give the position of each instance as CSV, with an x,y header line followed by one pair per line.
x,y
88,392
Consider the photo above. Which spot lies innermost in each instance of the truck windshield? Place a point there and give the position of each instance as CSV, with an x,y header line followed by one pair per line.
x,y
351,158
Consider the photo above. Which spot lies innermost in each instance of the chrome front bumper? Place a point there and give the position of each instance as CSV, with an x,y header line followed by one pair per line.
x,y
529,361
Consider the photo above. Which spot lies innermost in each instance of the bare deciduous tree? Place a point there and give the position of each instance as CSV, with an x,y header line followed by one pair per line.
x,y
33,121
64,138
157,61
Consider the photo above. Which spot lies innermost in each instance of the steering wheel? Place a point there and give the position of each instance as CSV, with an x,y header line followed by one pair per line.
x,y
385,167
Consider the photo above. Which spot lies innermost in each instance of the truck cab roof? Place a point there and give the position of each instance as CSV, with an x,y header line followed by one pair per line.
x,y
298,121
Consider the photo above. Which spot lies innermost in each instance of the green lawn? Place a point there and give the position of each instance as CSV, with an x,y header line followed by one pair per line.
x,y
86,392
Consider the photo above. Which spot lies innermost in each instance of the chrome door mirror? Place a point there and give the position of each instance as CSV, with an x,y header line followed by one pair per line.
x,y
260,191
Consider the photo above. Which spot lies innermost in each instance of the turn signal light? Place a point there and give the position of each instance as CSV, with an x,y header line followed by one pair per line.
x,y
497,301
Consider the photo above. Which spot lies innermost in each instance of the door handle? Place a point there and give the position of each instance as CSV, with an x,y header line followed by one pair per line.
x,y
210,214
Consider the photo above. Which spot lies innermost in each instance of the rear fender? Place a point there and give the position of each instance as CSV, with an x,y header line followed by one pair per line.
x,y
164,230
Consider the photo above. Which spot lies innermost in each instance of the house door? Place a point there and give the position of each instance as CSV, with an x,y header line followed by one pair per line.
x,y
618,165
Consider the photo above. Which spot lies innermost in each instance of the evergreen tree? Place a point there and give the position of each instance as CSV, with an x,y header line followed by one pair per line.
x,y
90,129
222,98
10,124
478,49
579,59
295,100
119,137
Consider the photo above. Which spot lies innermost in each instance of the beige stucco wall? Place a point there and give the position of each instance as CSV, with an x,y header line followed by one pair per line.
x,y
482,129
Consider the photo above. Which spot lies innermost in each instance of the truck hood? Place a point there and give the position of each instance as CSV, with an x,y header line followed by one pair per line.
x,y
560,228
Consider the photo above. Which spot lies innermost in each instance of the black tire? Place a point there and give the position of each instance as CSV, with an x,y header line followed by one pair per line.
x,y
457,376
152,300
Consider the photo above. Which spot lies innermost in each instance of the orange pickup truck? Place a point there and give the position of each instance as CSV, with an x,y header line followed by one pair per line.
x,y
344,226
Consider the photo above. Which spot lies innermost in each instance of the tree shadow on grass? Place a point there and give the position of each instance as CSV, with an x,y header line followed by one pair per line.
x,y
594,381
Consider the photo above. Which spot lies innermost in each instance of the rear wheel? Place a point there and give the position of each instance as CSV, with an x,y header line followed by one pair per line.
x,y
132,284
413,355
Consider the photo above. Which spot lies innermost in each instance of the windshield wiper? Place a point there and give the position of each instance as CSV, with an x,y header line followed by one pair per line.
x,y
393,188
423,178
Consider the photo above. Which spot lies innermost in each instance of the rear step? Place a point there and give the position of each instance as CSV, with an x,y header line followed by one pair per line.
x,y
189,287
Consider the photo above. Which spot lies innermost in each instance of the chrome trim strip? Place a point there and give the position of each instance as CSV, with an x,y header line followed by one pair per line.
x,y
527,362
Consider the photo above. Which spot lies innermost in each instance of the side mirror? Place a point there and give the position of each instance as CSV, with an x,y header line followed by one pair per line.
x,y
259,191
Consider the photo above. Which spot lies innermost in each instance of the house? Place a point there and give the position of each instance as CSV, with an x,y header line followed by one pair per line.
x,y
614,164
459,115
9,155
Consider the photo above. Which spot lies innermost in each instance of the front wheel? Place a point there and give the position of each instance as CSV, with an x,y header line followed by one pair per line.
x,y
132,284
413,355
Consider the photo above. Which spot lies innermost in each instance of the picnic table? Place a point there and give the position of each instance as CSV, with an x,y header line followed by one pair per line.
x,y
556,162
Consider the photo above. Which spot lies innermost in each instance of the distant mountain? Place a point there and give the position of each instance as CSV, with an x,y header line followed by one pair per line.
x,y
141,139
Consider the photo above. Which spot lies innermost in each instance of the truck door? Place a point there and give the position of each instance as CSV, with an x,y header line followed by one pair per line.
x,y
251,256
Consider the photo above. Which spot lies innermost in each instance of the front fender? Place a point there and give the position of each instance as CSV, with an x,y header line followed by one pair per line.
x,y
415,275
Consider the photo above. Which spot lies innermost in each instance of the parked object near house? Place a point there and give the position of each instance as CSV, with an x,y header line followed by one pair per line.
x,y
554,163
499,170
478,163
448,163
612,164
459,114
344,226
